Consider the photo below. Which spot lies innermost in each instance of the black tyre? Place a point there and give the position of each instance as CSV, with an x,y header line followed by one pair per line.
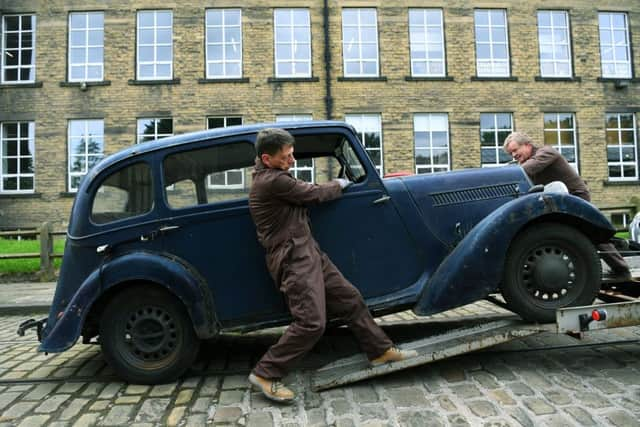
x,y
548,267
147,336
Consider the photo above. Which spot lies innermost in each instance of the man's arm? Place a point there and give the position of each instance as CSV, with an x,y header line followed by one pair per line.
x,y
539,161
298,192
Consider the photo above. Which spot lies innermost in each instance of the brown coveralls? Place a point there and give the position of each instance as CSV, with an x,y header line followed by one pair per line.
x,y
312,285
546,165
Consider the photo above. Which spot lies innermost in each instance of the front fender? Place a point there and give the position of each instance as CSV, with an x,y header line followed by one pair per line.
x,y
474,268
162,269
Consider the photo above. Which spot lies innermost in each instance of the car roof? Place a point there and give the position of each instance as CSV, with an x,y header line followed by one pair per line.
x,y
193,137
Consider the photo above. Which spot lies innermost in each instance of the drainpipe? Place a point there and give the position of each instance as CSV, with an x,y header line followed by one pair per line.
x,y
328,99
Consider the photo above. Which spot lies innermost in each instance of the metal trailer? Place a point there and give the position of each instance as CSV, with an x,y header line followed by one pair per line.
x,y
575,321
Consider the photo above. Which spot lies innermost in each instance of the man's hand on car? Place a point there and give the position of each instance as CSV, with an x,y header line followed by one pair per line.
x,y
344,183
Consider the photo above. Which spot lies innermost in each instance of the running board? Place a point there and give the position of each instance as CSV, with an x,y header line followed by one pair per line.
x,y
430,349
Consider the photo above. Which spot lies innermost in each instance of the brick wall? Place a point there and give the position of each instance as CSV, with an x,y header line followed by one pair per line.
x,y
395,98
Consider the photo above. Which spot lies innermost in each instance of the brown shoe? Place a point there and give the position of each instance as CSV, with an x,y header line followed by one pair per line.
x,y
394,354
272,389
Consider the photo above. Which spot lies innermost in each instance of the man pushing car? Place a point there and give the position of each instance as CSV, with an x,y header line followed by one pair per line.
x,y
312,285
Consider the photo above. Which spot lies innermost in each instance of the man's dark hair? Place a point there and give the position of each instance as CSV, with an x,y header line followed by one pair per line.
x,y
272,140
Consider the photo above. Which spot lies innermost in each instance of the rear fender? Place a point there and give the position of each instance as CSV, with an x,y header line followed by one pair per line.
x,y
160,269
475,267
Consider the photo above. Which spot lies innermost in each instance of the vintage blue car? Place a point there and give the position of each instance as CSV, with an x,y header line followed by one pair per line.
x,y
161,251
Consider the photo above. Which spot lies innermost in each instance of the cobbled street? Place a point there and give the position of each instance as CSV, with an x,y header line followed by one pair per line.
x,y
545,379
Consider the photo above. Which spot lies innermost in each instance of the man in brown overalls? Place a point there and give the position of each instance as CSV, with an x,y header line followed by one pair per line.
x,y
544,165
312,285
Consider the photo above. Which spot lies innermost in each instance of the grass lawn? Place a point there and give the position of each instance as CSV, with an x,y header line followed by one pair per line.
x,y
31,265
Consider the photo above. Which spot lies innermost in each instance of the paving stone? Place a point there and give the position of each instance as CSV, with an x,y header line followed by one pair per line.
x,y
452,373
263,419
482,408
446,404
87,420
522,417
70,387
621,418
315,417
128,400
201,405
465,391
184,397
7,398
136,389
502,397
52,403
74,409
520,389
40,391
118,415
580,415
408,396
500,371
99,405
34,421
92,389
227,414
340,407
558,397
110,391
231,397
364,394
58,424
594,400
175,416
485,379
539,406
311,399
604,386
234,382
373,412
198,420
152,410
17,410
420,419
458,420
192,382
345,422
210,386
163,390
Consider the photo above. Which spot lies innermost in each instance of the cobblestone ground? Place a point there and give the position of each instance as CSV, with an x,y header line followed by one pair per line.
x,y
541,380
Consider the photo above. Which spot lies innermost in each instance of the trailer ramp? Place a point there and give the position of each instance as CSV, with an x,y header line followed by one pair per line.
x,y
430,349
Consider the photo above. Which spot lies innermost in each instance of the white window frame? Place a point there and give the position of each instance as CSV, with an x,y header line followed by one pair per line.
x,y
557,132
620,146
492,66
296,47
226,184
551,43
6,53
86,47
83,137
368,123
426,39
429,123
156,135
615,47
155,45
222,37
18,175
358,42
297,169
497,144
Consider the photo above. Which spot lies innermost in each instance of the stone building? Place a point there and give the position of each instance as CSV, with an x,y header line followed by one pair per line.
x,y
430,85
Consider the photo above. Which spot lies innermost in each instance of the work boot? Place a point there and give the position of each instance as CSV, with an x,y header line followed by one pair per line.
x,y
394,354
272,389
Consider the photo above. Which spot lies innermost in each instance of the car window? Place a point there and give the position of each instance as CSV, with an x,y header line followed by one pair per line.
x,y
354,169
208,175
123,194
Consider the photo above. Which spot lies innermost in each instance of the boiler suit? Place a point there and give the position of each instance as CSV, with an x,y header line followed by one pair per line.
x,y
312,285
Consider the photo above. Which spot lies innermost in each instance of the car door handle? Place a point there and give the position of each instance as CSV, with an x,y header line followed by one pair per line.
x,y
382,199
166,228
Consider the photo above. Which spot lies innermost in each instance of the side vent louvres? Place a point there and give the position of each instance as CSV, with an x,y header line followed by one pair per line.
x,y
474,194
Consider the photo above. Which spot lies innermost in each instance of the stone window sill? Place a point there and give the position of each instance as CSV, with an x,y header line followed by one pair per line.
x,y
363,79
20,195
154,82
87,84
429,79
292,79
558,79
234,80
8,85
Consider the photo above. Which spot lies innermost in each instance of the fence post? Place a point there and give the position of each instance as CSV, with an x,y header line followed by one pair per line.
x,y
46,250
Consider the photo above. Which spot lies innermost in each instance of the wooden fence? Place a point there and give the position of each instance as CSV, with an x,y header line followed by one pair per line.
x,y
45,235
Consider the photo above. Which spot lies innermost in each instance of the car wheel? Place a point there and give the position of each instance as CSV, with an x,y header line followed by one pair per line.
x,y
548,267
147,336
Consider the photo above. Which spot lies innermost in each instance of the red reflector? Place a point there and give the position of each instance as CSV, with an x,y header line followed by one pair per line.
x,y
595,315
